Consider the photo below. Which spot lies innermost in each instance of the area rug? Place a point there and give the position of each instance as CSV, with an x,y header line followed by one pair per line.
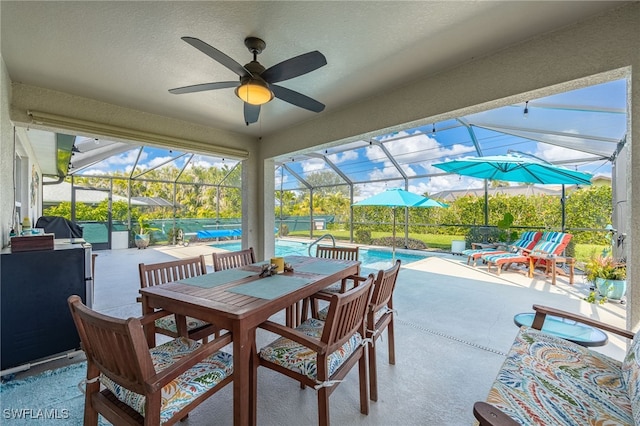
x,y
49,398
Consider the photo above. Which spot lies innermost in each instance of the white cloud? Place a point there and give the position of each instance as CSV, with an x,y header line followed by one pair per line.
x,y
125,158
343,156
313,165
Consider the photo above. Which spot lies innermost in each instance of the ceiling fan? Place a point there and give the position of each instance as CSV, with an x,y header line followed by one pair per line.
x,y
256,84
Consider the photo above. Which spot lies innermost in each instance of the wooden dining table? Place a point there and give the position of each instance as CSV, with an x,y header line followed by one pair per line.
x,y
239,300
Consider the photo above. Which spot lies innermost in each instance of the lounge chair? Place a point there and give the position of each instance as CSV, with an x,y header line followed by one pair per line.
x,y
526,241
550,243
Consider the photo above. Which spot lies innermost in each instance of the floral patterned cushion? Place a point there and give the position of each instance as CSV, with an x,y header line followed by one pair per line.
x,y
299,358
169,323
322,314
546,380
631,376
186,387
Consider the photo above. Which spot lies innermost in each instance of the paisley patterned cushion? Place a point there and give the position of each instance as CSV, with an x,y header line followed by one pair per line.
x,y
186,387
169,323
299,358
631,376
546,380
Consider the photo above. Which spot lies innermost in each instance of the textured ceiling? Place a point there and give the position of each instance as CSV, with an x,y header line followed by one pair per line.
x,y
130,53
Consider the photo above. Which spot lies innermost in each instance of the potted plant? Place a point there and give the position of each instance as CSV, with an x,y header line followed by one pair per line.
x,y
609,276
142,236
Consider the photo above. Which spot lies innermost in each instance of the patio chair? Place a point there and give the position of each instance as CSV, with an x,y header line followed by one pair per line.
x,y
233,259
320,353
329,252
551,243
143,385
526,241
161,273
379,317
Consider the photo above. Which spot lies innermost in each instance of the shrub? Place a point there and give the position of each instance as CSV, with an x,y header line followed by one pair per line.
x,y
412,243
483,234
363,236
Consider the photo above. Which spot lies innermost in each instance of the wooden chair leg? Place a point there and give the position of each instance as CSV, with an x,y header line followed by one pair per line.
x,y
373,375
364,398
289,322
323,406
392,343
90,413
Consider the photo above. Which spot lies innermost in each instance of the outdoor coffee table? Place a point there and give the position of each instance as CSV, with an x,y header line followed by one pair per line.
x,y
567,329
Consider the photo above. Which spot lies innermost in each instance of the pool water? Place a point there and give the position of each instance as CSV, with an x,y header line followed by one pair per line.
x,y
370,258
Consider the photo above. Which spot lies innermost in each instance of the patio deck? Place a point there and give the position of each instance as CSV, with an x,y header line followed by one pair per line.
x,y
454,325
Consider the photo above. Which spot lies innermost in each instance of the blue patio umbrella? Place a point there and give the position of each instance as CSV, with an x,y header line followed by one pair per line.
x,y
515,167
395,198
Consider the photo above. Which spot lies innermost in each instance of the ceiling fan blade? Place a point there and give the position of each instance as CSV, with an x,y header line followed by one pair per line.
x,y
203,87
251,113
217,55
294,67
296,98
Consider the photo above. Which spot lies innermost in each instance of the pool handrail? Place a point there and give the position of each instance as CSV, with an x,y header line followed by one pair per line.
x,y
320,239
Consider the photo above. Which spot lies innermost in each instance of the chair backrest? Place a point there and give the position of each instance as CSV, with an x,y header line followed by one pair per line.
x,y
174,270
233,259
346,315
527,240
117,347
383,287
552,243
341,253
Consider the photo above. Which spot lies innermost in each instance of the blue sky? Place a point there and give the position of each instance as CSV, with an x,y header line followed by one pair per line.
x,y
575,119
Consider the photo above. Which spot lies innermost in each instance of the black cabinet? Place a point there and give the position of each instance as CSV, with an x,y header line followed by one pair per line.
x,y
34,287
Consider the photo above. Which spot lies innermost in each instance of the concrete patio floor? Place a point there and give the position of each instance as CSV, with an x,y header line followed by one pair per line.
x,y
454,325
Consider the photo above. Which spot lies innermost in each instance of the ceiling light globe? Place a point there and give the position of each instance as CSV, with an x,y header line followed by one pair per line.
x,y
254,92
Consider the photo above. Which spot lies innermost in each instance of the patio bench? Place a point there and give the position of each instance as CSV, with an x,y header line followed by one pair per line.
x,y
551,381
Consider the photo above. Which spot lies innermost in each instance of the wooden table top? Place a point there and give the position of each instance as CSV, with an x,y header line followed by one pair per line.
x,y
224,296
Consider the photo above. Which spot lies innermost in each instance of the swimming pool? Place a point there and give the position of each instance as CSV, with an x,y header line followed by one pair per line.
x,y
370,258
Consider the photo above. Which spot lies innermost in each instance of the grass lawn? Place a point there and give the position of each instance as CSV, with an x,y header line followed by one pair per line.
x,y
583,252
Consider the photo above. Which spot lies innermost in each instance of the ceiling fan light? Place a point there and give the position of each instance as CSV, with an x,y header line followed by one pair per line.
x,y
254,91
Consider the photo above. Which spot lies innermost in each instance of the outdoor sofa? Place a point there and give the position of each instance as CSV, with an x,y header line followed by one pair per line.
x,y
546,380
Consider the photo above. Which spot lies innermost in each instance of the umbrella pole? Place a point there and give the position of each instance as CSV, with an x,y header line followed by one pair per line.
x,y
563,200
486,202
393,242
